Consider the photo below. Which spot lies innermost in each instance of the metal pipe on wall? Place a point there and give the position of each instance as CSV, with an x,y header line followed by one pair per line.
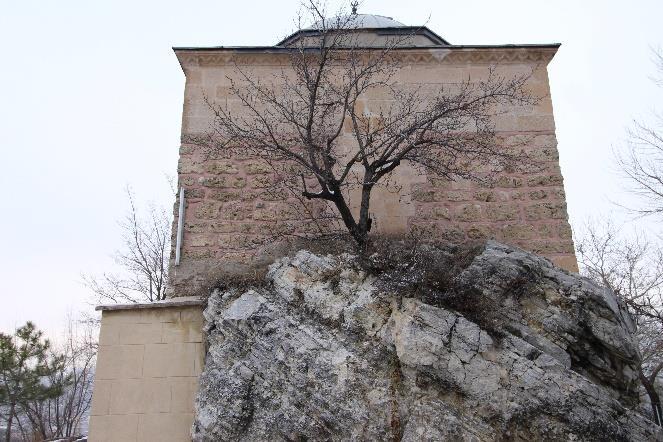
x,y
180,227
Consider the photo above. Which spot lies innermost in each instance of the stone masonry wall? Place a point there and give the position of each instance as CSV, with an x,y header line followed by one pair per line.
x,y
147,373
228,214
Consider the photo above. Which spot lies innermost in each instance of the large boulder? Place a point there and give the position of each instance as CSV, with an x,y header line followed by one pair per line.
x,y
513,349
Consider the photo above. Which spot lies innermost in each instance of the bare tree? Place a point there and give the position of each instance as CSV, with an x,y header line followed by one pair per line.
x,y
633,269
642,163
296,121
143,259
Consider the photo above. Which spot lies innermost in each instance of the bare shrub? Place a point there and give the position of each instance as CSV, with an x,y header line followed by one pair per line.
x,y
429,270
633,269
143,259
642,161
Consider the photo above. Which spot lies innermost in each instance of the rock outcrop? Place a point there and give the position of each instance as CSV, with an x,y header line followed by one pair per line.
x,y
521,351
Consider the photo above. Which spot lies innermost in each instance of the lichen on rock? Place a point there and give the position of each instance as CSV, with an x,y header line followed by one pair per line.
x,y
326,352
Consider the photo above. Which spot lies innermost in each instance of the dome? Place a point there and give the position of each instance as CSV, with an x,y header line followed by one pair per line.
x,y
371,30
359,21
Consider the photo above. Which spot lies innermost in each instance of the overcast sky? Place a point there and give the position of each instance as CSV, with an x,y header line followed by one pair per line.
x,y
91,100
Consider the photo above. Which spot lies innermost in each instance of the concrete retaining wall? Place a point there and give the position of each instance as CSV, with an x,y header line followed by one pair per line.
x,y
150,357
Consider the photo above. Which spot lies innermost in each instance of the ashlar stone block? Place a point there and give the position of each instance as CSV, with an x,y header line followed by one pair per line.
x,y
114,428
143,333
169,428
184,331
120,362
174,359
136,396
102,397
183,392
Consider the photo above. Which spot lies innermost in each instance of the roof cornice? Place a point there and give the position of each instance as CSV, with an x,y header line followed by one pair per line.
x,y
274,55
282,49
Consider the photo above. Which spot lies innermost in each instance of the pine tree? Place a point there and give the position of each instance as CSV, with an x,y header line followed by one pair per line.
x,y
25,364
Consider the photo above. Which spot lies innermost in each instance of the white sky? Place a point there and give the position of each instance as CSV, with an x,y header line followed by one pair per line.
x,y
91,99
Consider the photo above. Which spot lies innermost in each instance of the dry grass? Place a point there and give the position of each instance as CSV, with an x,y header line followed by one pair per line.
x,y
409,266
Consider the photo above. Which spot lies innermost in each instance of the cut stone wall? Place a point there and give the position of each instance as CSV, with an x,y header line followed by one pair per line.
x,y
228,215
149,360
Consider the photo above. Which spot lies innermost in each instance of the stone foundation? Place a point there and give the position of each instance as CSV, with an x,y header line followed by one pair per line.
x,y
150,357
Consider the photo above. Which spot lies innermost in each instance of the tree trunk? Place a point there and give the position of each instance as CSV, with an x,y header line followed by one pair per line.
x,y
358,229
10,418
364,223
653,398
346,216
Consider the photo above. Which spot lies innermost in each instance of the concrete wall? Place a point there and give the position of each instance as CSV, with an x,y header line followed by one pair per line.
x,y
148,365
228,214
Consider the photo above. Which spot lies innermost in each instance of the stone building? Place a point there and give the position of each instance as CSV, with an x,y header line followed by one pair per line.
x,y
227,212
150,355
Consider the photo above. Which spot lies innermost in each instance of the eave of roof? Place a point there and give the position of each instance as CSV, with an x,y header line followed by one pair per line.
x,y
288,49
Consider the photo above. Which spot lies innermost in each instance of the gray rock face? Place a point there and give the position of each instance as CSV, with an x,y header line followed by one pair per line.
x,y
323,354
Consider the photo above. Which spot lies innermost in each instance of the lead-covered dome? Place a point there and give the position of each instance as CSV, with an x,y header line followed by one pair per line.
x,y
371,30
359,21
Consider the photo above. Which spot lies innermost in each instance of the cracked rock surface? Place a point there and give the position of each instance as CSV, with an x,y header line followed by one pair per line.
x,y
323,353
